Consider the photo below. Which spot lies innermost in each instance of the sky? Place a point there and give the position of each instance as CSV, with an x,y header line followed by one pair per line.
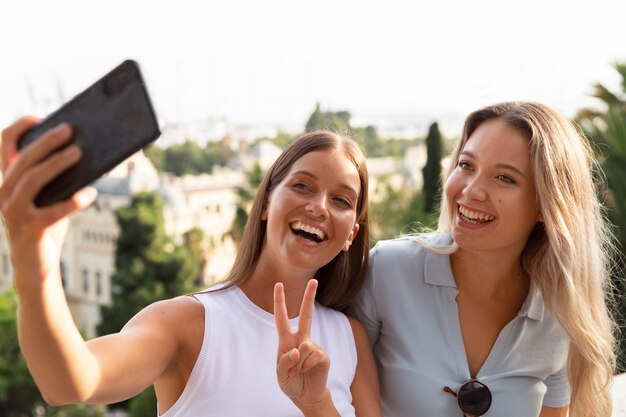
x,y
271,61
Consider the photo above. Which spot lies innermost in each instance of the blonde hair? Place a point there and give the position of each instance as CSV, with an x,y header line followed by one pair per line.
x,y
568,254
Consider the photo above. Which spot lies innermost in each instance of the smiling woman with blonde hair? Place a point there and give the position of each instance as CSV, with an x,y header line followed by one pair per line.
x,y
503,306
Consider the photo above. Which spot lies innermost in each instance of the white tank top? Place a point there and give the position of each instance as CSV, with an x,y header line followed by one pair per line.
x,y
235,373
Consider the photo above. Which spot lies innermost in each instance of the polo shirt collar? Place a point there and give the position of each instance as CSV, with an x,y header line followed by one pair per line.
x,y
533,307
438,271
437,268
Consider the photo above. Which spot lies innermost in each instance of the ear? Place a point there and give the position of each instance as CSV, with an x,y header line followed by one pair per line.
x,y
264,211
540,217
351,237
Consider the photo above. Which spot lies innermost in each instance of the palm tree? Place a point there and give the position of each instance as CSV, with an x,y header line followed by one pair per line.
x,y
607,131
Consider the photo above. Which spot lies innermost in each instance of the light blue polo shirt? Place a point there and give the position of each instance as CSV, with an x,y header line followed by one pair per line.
x,y
408,306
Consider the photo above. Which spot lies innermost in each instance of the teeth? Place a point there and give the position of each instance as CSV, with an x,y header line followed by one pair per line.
x,y
473,215
308,229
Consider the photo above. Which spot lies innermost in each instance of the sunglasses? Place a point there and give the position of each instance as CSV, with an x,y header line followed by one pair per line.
x,y
474,398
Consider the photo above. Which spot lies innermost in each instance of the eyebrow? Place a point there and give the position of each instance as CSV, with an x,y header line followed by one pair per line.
x,y
502,166
341,185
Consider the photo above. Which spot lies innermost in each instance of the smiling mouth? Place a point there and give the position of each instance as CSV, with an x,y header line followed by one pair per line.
x,y
474,217
308,232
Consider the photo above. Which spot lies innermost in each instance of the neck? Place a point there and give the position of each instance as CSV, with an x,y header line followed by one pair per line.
x,y
488,275
259,287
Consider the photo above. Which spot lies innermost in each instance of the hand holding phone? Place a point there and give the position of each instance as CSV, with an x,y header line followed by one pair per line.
x,y
111,120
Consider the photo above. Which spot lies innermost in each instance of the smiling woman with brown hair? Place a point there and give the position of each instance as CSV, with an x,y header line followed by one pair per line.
x,y
230,352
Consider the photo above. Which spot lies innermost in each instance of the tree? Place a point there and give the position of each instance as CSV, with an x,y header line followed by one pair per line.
x,y
183,159
246,195
156,155
144,404
432,170
369,140
607,131
148,267
18,392
19,396
335,121
316,121
398,212
190,158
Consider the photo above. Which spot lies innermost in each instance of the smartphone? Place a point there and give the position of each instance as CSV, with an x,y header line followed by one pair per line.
x,y
111,120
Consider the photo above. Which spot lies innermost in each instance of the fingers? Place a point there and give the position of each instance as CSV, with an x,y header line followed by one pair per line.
x,y
280,313
29,166
79,201
309,356
36,166
306,310
316,358
49,141
21,190
10,136
285,367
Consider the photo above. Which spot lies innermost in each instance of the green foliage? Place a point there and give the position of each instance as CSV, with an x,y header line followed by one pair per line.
x,y
398,212
282,140
156,155
246,194
183,159
369,140
143,405
607,131
335,121
190,158
432,170
18,392
148,267
79,410
19,396
394,147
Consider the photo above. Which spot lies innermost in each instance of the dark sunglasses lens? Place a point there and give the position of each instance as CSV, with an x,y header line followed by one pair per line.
x,y
474,398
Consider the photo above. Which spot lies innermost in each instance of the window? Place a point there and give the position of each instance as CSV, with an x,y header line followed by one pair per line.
x,y
98,283
85,281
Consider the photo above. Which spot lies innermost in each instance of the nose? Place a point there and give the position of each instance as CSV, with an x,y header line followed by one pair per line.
x,y
318,206
475,189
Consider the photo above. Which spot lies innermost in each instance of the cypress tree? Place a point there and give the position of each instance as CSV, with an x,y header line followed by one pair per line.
x,y
432,170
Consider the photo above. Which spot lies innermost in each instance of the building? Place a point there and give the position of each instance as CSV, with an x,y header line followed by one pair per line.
x,y
207,202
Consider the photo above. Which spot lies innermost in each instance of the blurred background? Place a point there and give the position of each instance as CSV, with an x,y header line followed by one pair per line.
x,y
234,81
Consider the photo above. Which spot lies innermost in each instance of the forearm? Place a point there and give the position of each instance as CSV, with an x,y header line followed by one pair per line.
x,y
56,353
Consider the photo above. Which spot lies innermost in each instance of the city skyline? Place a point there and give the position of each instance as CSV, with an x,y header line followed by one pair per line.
x,y
271,62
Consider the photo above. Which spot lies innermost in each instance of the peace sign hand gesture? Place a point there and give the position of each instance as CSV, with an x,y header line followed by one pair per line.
x,y
302,366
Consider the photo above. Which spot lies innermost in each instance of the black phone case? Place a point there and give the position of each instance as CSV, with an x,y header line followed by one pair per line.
x,y
111,120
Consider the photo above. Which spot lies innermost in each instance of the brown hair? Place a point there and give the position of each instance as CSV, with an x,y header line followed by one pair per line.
x,y
341,279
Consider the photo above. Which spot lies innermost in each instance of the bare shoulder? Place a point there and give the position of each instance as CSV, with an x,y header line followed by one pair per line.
x,y
176,317
172,310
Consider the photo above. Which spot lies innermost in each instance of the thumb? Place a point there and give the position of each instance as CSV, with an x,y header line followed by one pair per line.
x,y
286,363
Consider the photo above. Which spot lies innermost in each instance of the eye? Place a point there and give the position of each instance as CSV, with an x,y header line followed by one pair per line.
x,y
464,165
300,186
506,179
343,202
